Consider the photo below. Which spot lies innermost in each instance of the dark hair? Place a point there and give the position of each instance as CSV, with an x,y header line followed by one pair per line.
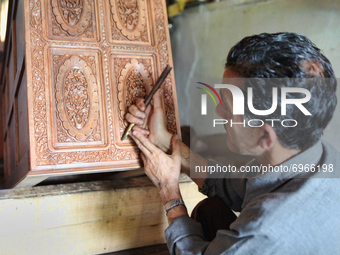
x,y
287,55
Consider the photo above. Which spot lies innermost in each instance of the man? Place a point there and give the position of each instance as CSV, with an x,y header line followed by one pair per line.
x,y
280,213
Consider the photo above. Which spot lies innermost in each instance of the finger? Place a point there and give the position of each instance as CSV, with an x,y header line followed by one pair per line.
x,y
146,142
140,145
148,109
140,104
176,147
142,130
143,157
132,119
136,112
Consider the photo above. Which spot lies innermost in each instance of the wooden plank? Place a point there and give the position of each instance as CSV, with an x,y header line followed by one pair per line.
x,y
85,218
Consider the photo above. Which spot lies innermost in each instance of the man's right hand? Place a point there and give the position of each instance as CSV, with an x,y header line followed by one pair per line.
x,y
150,121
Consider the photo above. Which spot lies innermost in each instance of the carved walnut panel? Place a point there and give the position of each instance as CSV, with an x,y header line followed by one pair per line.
x,y
77,103
72,20
134,77
128,21
88,60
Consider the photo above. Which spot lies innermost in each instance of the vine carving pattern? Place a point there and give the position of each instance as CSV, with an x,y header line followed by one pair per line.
x,y
162,48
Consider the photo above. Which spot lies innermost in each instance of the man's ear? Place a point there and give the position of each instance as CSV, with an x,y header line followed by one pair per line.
x,y
268,137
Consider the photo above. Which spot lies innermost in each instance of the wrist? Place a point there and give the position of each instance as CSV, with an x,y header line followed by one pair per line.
x,y
176,212
169,192
173,203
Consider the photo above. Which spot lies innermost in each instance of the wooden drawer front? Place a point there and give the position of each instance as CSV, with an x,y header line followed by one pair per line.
x,y
88,61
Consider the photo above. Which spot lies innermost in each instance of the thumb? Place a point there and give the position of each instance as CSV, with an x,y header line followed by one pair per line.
x,y
157,99
176,146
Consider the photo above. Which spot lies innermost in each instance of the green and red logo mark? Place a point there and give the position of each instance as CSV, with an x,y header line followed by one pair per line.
x,y
204,97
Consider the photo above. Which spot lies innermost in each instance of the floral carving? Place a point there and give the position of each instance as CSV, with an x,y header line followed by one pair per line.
x,y
128,20
77,116
77,101
134,80
162,47
135,87
72,18
71,11
128,13
35,7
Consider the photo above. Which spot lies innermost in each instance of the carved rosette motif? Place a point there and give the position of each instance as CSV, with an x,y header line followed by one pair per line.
x,y
77,100
134,81
72,18
129,20
75,25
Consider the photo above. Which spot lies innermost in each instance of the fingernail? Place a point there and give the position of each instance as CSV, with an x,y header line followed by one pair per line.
x,y
134,132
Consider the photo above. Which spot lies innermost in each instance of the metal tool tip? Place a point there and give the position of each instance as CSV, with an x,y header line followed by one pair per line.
x,y
125,136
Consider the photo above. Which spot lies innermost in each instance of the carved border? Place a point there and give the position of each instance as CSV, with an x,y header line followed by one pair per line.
x,y
44,155
162,47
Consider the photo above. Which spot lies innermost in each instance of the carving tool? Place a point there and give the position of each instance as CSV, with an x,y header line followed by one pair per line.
x,y
148,99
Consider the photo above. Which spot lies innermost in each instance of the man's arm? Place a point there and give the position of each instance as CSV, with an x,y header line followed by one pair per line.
x,y
184,235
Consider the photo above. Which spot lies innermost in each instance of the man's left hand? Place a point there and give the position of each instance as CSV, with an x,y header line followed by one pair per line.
x,y
162,169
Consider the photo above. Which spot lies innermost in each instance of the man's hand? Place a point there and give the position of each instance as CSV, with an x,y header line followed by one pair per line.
x,y
150,121
162,169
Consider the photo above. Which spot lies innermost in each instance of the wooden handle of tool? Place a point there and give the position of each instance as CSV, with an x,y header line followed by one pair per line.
x,y
158,84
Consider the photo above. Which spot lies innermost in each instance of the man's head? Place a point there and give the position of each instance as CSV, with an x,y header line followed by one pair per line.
x,y
296,59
